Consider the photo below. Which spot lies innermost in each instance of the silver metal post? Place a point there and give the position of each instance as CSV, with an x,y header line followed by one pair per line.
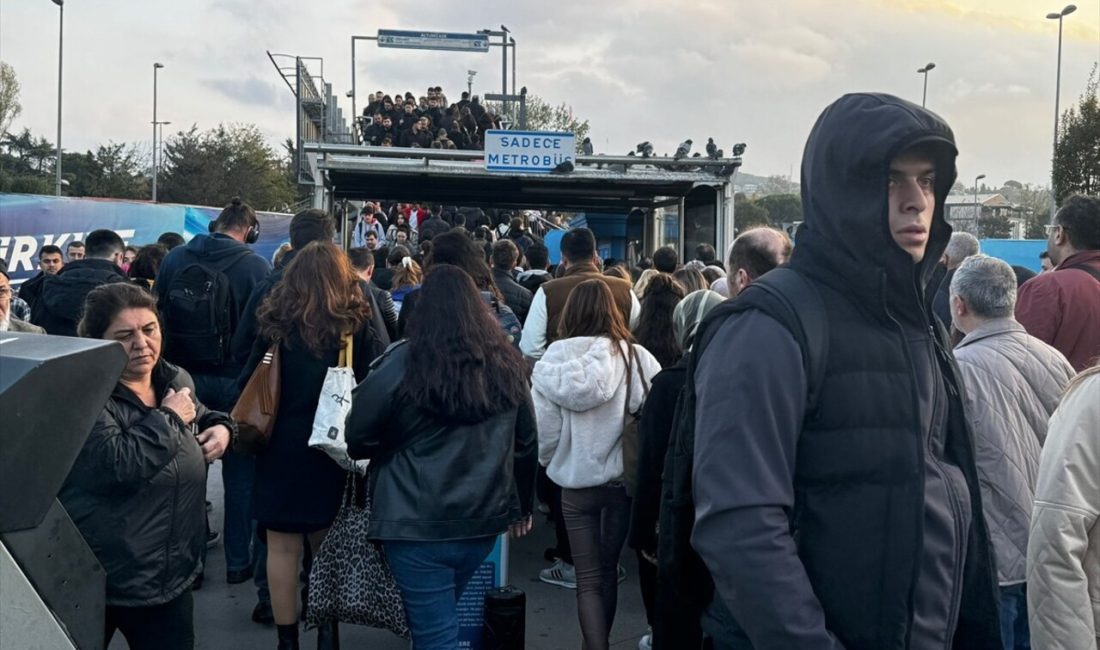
x,y
354,114
60,43
504,61
924,97
156,162
513,43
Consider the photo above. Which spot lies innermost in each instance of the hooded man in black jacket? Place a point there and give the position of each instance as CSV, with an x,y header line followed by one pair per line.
x,y
857,525
60,301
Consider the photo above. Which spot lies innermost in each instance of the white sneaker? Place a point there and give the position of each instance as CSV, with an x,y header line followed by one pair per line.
x,y
560,574
646,642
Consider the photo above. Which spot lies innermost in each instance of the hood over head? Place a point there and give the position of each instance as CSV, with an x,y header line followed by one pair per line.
x,y
845,240
580,373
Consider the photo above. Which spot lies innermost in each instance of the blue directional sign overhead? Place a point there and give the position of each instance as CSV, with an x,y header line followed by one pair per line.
x,y
411,40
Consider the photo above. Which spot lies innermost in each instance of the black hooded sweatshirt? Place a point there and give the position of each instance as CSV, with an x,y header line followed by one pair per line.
x,y
60,301
859,525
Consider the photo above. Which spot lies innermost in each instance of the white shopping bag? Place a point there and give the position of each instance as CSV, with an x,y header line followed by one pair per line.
x,y
332,412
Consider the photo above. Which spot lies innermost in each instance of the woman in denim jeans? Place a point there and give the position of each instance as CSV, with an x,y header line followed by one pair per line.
x,y
580,396
446,418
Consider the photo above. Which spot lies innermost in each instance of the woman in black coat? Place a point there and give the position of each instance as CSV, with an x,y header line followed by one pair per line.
x,y
298,489
446,419
655,430
137,490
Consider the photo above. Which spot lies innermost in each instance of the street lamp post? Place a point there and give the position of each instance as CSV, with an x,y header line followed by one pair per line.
x,y
504,60
156,66
924,71
512,41
470,82
977,206
60,42
1067,10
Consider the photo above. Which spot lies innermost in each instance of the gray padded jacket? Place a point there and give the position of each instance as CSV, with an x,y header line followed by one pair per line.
x,y
1013,383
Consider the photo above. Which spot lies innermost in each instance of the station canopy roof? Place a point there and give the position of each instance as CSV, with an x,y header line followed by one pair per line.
x,y
597,184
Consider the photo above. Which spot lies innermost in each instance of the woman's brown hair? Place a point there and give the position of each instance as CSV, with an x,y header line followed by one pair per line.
x,y
319,299
406,274
591,311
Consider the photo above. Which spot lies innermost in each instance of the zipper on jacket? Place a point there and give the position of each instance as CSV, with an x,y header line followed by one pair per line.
x,y
914,575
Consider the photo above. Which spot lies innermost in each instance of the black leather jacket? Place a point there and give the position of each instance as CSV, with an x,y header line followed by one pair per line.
x,y
434,480
137,493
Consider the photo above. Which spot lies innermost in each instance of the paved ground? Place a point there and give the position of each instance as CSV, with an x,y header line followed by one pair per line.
x,y
223,611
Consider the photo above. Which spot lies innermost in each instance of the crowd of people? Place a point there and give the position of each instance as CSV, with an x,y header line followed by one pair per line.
x,y
427,122
803,447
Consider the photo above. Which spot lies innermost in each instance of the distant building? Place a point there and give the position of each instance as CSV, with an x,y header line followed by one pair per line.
x,y
962,213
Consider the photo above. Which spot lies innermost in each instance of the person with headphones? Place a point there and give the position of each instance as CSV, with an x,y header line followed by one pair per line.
x,y
202,289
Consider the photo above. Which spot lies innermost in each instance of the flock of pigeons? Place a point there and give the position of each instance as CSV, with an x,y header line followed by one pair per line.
x,y
645,149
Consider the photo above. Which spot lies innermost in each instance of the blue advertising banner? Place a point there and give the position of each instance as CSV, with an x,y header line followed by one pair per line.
x,y
28,222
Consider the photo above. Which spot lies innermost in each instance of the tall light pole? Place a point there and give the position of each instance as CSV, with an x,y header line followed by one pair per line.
x,y
504,60
1067,10
60,42
156,164
470,82
977,207
924,71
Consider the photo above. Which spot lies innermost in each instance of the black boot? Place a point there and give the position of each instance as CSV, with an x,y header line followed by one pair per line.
x,y
328,636
288,636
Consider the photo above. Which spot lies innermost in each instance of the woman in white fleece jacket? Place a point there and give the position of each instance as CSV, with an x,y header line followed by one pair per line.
x,y
579,388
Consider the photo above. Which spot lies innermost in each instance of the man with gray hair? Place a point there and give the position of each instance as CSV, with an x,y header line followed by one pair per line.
x,y
1013,384
961,246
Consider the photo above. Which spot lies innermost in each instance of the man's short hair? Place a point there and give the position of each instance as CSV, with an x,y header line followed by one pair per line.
x,y
49,249
756,254
961,246
987,284
1079,217
666,259
361,258
103,244
705,253
370,233
538,256
310,225
505,254
170,240
74,244
578,245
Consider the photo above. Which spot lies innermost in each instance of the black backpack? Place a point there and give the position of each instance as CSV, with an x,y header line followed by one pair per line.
x,y
684,585
200,315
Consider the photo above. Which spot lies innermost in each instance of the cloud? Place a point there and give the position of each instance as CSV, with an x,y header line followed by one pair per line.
x,y
252,92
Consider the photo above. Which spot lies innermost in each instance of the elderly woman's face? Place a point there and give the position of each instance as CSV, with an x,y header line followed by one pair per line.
x,y
138,330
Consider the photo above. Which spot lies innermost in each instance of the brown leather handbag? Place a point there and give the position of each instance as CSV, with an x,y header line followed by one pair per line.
x,y
258,404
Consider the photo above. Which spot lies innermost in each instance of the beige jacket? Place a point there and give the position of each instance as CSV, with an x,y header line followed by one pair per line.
x,y
1063,559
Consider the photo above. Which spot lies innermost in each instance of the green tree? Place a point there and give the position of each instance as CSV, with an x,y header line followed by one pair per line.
x,y
1077,154
114,170
994,227
783,209
10,108
209,167
748,213
543,116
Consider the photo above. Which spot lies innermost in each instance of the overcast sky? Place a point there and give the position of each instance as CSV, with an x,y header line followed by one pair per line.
x,y
659,70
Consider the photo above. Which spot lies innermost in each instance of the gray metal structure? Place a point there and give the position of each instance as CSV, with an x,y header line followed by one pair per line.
x,y
699,189
52,589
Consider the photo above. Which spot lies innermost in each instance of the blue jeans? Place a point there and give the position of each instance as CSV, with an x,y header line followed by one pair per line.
x,y
432,577
1015,632
238,476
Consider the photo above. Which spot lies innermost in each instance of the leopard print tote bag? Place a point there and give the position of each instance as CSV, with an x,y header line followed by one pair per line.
x,y
351,581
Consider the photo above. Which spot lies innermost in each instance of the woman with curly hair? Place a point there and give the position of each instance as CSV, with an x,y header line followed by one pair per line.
x,y
298,489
